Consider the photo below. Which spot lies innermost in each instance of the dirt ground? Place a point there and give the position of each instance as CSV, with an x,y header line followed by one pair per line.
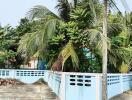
x,y
124,96
27,92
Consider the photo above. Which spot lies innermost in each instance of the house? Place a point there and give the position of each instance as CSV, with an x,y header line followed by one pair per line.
x,y
32,64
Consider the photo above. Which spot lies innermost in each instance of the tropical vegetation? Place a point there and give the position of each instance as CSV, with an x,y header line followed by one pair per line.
x,y
70,40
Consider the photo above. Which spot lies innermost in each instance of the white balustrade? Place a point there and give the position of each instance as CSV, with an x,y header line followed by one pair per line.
x,y
74,86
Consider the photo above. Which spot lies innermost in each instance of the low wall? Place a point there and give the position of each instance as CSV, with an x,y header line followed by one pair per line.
x,y
87,86
74,86
26,76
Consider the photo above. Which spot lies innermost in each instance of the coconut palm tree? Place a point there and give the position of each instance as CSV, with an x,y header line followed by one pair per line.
x,y
41,38
49,28
104,53
38,41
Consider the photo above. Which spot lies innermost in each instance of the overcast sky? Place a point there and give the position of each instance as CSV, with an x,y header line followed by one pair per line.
x,y
11,11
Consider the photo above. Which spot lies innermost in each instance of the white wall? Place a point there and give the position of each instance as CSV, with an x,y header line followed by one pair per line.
x,y
32,63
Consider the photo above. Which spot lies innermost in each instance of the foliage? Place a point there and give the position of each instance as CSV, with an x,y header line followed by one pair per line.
x,y
81,24
7,41
64,9
71,38
68,51
124,68
9,38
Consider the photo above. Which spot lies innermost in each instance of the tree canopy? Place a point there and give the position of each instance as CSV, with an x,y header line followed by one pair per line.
x,y
71,40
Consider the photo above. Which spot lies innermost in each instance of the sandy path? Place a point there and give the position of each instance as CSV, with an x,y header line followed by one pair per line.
x,y
124,96
27,92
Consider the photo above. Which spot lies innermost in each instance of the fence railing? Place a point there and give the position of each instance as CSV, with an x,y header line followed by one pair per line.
x,y
74,86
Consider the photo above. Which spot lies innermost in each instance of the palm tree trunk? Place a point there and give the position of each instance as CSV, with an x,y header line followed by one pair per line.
x,y
104,53
75,3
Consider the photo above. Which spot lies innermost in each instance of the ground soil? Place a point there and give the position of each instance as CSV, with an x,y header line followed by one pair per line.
x,y
125,96
36,91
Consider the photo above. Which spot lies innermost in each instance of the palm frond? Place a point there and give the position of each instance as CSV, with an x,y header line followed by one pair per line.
x,y
39,12
64,9
120,54
93,9
115,29
29,44
95,38
68,51
50,29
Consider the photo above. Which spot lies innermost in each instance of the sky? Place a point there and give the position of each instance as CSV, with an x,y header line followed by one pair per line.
x,y
126,3
11,11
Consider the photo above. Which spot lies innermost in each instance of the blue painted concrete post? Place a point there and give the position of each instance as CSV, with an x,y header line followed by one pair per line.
x,y
62,94
46,76
121,82
11,74
98,87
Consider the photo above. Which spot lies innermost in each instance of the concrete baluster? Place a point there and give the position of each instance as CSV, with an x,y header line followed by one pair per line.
x,y
121,82
62,93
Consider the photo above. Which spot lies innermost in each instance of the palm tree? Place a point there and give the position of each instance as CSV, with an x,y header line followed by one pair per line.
x,y
104,52
38,41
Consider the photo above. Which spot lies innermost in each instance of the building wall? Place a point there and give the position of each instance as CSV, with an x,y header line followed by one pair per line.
x,y
33,64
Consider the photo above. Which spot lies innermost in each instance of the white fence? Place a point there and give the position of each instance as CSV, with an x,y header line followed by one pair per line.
x,y
74,86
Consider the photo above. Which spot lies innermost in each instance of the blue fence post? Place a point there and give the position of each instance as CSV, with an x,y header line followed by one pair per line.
x,y
12,73
98,87
62,94
121,82
46,76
